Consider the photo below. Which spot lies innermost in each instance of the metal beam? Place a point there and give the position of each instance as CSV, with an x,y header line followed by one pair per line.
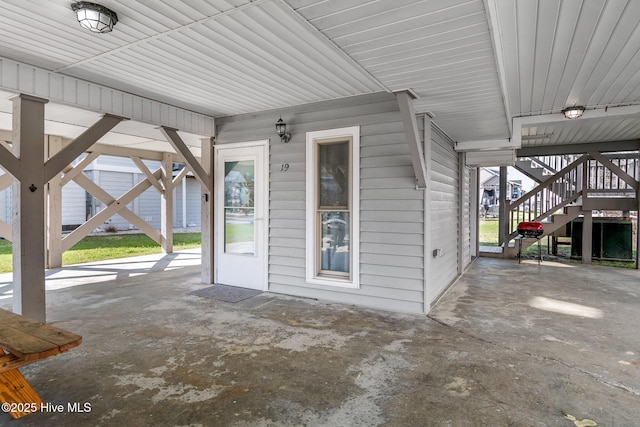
x,y
68,154
178,144
603,147
405,102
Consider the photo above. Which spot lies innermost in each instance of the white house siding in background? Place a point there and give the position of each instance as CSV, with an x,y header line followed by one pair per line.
x,y
147,205
191,207
392,215
5,208
116,175
74,205
116,184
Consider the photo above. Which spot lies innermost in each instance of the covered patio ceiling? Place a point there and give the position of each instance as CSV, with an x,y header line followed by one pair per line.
x,y
476,65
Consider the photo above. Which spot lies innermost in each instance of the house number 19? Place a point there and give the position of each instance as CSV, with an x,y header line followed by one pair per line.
x,y
284,167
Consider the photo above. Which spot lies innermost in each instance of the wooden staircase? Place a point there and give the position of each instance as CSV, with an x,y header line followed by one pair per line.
x,y
551,225
592,181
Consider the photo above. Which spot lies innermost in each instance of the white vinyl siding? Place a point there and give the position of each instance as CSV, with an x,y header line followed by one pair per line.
x,y
116,184
467,203
74,204
445,213
148,204
391,209
191,203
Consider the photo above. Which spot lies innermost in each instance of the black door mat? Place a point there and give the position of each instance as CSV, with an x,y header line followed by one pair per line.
x,y
226,293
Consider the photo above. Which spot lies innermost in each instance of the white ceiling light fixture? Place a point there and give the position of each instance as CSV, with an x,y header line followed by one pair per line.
x,y
573,112
94,17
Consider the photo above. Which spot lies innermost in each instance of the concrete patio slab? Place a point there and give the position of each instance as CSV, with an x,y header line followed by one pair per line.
x,y
510,345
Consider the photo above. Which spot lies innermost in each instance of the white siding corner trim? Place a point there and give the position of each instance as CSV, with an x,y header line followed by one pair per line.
x,y
311,237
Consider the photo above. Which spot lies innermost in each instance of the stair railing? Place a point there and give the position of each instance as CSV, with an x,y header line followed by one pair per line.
x,y
619,175
547,198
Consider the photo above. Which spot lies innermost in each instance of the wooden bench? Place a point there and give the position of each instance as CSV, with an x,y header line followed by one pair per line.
x,y
26,341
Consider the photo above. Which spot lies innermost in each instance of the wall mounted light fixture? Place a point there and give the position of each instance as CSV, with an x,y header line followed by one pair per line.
x,y
573,112
281,130
94,17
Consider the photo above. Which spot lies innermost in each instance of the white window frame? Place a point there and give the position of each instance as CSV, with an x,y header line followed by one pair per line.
x,y
312,244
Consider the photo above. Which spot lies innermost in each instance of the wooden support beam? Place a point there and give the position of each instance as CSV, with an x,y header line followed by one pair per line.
x,y
158,185
405,102
615,169
114,150
183,172
71,172
53,205
166,205
8,161
114,206
5,181
207,219
81,144
178,144
503,226
28,204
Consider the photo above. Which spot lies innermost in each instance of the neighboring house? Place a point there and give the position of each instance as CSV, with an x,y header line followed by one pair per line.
x,y
116,175
490,188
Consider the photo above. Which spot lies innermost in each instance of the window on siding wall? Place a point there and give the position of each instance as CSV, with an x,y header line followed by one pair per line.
x,y
333,207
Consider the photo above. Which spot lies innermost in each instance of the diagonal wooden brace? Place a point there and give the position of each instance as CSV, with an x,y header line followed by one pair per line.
x,y
68,154
114,206
178,144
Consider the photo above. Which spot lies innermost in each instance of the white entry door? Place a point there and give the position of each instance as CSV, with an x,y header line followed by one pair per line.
x,y
241,215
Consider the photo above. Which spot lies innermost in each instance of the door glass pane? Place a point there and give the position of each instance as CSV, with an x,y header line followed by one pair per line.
x,y
333,167
335,241
239,213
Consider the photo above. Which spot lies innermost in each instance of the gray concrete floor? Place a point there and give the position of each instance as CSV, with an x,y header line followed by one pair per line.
x,y
510,345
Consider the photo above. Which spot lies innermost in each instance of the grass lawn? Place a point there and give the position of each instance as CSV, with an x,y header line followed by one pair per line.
x,y
98,248
239,233
488,232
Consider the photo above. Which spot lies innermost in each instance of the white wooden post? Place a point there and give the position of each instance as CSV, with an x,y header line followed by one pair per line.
x,y
503,220
207,214
166,204
28,208
54,208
